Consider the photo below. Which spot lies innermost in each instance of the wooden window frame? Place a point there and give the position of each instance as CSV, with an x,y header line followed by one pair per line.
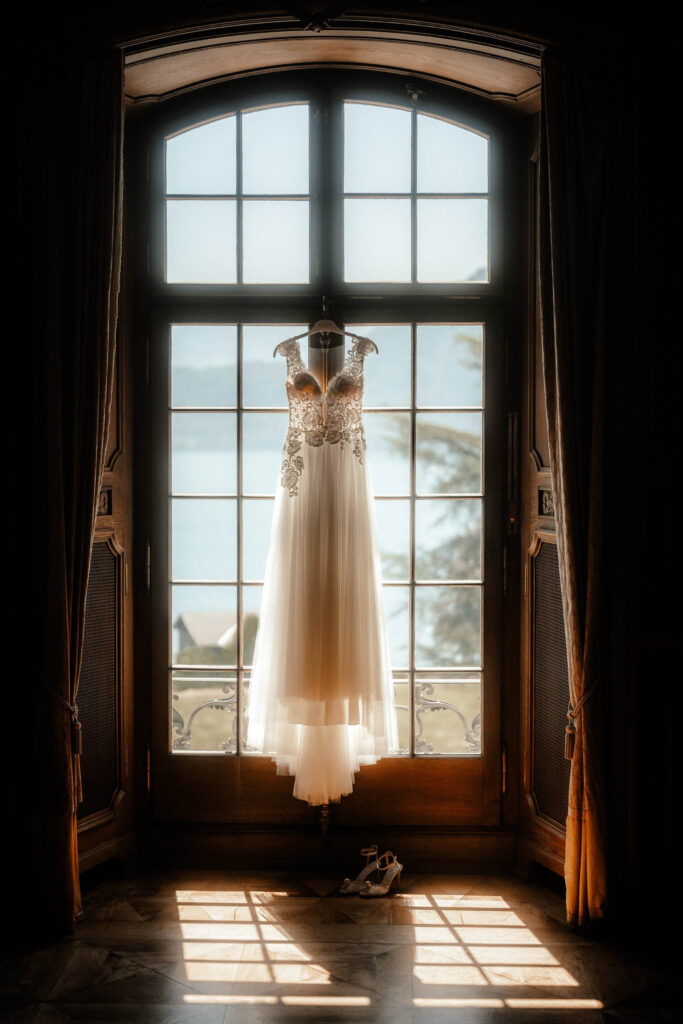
x,y
480,801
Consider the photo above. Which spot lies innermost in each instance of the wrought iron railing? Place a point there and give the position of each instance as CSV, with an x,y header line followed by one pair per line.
x,y
425,704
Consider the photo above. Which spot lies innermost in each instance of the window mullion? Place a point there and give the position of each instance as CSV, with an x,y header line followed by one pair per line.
x,y
413,197
411,574
332,160
240,571
239,213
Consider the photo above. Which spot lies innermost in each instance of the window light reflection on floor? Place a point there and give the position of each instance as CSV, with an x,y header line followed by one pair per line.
x,y
466,949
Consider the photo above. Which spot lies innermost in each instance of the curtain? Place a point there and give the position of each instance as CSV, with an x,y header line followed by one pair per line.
x,y
72,135
573,274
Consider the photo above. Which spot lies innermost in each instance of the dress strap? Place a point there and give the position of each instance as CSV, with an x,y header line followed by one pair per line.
x,y
291,350
363,345
357,353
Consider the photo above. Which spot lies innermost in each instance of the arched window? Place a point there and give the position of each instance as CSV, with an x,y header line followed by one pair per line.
x,y
389,201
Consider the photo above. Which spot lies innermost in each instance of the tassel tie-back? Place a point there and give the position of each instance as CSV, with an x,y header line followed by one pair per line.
x,y
76,739
572,712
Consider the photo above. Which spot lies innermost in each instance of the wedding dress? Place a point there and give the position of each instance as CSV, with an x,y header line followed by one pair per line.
x,y
321,699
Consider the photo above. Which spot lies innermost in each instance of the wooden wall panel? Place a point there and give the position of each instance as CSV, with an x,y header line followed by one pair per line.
x,y
543,771
105,818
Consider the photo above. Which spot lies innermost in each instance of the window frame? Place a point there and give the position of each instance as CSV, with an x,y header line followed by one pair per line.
x,y
326,91
352,302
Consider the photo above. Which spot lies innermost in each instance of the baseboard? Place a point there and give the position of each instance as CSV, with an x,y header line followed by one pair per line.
x,y
123,847
530,852
460,850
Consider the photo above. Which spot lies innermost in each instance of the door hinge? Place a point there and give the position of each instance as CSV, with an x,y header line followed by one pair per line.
x,y
503,771
148,566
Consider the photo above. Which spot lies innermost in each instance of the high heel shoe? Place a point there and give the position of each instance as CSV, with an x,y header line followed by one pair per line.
x,y
392,872
371,864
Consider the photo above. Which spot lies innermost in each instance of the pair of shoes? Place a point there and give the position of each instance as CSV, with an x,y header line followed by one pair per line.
x,y
393,871
371,864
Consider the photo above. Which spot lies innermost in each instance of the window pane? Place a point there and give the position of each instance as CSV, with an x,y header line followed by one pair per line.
x,y
203,624
403,709
263,435
447,626
263,378
448,715
388,451
450,158
245,717
203,453
276,241
275,151
251,607
452,240
396,609
201,240
201,161
197,696
203,364
393,535
376,148
377,240
448,539
204,539
387,376
449,364
448,452
256,519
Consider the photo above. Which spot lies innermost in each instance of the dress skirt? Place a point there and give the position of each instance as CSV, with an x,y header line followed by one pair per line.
x,y
321,700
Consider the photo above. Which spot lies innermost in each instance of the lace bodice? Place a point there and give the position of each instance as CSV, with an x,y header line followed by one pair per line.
x,y
317,417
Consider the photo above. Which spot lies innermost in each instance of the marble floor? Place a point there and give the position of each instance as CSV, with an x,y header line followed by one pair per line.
x,y
210,947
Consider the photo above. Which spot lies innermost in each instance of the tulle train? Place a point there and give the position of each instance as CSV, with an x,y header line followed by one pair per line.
x,y
321,700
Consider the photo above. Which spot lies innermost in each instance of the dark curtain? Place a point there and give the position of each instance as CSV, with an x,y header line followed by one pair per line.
x,y
575,168
71,189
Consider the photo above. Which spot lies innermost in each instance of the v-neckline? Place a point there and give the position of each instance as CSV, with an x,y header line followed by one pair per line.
x,y
333,378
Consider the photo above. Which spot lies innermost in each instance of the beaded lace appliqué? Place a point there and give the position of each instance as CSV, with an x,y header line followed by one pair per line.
x,y
316,418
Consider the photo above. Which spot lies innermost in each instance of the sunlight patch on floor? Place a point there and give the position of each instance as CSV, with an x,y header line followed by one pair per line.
x,y
459,943
230,1000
